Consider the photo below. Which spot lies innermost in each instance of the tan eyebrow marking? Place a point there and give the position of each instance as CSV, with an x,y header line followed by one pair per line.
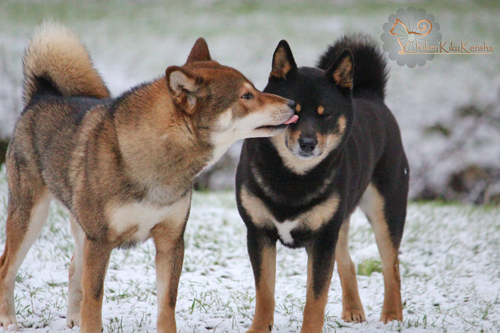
x,y
342,124
321,110
298,107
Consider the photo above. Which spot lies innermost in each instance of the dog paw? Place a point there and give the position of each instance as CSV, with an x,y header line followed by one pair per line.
x,y
9,323
73,319
353,315
387,317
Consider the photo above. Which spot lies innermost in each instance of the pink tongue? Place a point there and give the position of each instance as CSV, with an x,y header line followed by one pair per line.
x,y
292,120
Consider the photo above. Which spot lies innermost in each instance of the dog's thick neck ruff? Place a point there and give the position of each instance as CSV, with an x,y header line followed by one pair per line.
x,y
173,133
302,166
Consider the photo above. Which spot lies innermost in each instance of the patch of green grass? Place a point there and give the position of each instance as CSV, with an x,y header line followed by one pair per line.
x,y
369,266
115,324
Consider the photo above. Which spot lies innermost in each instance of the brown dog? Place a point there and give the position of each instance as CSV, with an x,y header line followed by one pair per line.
x,y
123,167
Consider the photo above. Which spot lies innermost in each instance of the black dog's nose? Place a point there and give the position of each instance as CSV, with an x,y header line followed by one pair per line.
x,y
291,103
307,145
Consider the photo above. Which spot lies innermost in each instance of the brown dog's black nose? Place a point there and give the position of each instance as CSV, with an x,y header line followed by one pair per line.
x,y
307,145
291,103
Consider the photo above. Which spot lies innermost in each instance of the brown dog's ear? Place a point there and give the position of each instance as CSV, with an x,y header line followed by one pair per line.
x,y
184,87
283,62
199,52
342,69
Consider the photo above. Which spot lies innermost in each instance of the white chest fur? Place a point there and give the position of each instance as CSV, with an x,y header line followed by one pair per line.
x,y
284,230
135,220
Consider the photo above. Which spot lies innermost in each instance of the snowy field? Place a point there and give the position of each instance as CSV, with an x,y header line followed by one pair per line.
x,y
450,266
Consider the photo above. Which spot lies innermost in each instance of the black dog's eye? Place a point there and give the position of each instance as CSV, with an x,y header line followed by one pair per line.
x,y
247,96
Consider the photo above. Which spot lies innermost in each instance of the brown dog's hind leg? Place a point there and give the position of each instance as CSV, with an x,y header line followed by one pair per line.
x,y
262,251
374,205
75,295
28,208
352,309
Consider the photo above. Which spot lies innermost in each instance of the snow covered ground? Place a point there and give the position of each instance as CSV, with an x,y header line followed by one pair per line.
x,y
450,266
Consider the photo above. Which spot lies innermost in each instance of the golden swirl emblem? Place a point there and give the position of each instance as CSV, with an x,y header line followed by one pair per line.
x,y
410,35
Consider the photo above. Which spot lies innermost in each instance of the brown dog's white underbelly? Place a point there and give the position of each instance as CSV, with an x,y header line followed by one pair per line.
x,y
132,222
312,219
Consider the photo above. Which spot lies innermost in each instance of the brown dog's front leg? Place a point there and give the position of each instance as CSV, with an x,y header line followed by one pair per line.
x,y
262,252
95,262
321,258
169,242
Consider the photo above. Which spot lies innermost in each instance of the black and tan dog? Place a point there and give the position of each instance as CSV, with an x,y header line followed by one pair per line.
x,y
123,167
302,186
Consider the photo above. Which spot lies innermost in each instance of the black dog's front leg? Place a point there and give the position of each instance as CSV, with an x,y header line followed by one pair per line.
x,y
320,263
262,251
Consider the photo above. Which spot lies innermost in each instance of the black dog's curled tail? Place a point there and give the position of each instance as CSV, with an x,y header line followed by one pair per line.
x,y
370,66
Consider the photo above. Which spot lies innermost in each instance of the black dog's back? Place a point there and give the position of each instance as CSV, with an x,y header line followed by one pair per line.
x,y
391,171
376,131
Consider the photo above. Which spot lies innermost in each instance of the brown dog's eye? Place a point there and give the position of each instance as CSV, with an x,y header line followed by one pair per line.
x,y
247,96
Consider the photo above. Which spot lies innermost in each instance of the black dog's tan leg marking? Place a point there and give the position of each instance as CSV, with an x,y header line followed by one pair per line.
x,y
95,262
168,261
28,207
319,275
262,251
373,205
352,309
75,295
263,257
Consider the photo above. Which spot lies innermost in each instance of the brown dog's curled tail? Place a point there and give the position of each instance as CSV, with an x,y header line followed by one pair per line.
x,y
55,62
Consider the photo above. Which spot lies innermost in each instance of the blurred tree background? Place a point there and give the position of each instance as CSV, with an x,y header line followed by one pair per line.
x,y
448,110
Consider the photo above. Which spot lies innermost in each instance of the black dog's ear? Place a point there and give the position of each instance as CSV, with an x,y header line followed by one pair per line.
x,y
341,71
185,87
283,62
199,52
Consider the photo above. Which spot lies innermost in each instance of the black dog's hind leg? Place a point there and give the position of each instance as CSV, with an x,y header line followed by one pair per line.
x,y
262,251
385,207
